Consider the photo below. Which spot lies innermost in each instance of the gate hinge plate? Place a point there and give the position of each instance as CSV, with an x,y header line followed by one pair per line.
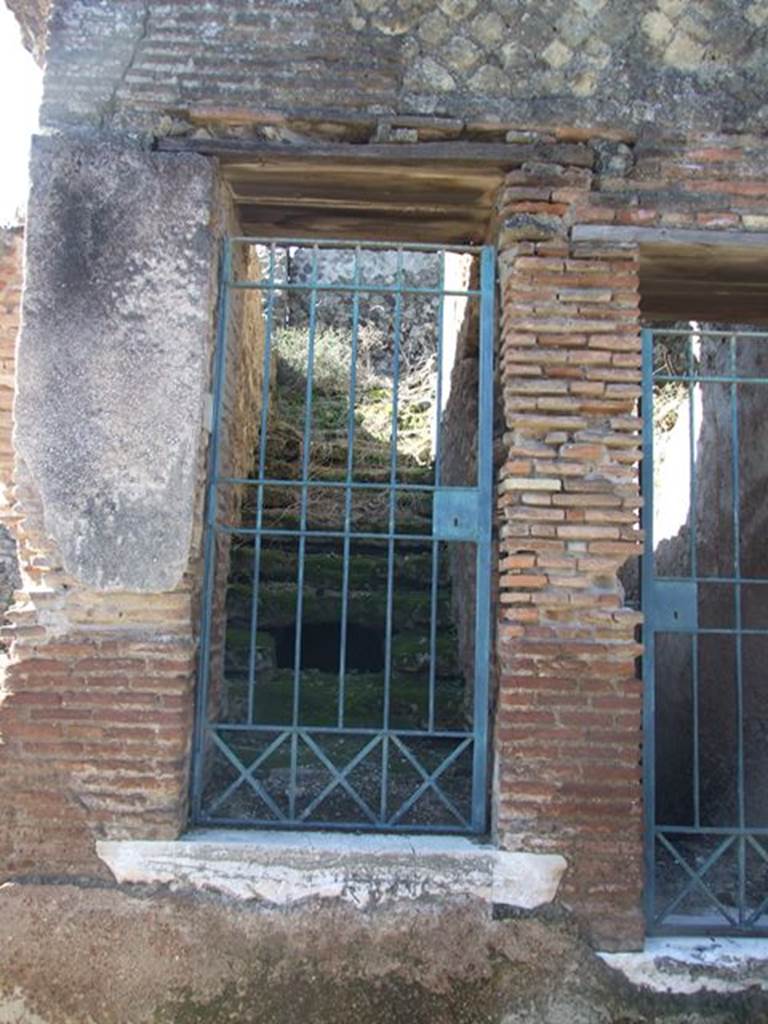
x,y
675,606
455,513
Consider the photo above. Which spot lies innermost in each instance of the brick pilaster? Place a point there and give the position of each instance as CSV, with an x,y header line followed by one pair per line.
x,y
568,719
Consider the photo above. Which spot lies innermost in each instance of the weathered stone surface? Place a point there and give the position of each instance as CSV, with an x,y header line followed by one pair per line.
x,y
285,868
32,16
587,63
688,965
114,347
9,567
530,227
74,956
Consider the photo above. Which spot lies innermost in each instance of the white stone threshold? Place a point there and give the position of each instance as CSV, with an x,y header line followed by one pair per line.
x,y
687,965
282,868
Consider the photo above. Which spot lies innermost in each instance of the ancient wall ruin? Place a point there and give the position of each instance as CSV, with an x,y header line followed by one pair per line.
x,y
11,246
606,121
619,64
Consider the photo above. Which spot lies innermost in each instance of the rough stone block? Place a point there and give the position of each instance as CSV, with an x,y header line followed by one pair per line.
x,y
532,227
115,348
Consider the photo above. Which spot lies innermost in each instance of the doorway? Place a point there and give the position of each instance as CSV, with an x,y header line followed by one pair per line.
x,y
705,602
345,633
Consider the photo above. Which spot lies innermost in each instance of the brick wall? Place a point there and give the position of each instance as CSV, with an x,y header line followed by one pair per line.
x,y
568,720
569,704
240,423
97,704
710,181
96,701
459,469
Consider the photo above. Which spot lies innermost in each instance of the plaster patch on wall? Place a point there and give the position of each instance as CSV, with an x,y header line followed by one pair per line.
x,y
284,868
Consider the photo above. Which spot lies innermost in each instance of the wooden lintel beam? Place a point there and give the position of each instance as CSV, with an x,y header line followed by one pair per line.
x,y
271,222
671,236
358,204
674,286
497,154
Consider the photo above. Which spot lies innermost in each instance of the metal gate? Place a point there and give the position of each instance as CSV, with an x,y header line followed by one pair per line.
x,y
344,651
705,599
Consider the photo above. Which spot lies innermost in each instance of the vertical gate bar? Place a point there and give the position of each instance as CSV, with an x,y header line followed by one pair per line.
x,y
440,355
348,492
693,498
483,548
390,540
263,425
649,645
305,456
384,777
204,667
736,486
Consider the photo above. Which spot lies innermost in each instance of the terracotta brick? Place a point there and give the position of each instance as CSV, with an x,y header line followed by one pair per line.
x,y
566,646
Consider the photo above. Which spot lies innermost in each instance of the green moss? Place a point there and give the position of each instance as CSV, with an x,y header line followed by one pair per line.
x,y
410,652
277,607
363,698
325,568
273,995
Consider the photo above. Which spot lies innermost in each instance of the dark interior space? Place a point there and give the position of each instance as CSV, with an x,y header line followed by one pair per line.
x,y
320,647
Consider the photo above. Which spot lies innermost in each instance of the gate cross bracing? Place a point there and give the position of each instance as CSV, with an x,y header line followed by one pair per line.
x,y
344,679
705,600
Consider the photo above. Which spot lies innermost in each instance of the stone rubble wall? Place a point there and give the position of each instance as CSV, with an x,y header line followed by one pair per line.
x,y
617,63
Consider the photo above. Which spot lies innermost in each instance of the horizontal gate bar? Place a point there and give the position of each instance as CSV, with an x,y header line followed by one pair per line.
x,y
333,730
346,244
338,484
371,289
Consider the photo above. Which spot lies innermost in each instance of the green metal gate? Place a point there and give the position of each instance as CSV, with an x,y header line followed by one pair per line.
x,y
344,651
705,600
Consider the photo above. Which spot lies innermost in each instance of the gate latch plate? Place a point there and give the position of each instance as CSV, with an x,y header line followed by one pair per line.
x,y
675,606
455,513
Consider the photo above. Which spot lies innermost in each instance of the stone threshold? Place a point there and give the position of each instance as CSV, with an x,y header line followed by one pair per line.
x,y
282,868
688,965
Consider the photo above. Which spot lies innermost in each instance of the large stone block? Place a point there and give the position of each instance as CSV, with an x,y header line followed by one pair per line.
x,y
114,355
